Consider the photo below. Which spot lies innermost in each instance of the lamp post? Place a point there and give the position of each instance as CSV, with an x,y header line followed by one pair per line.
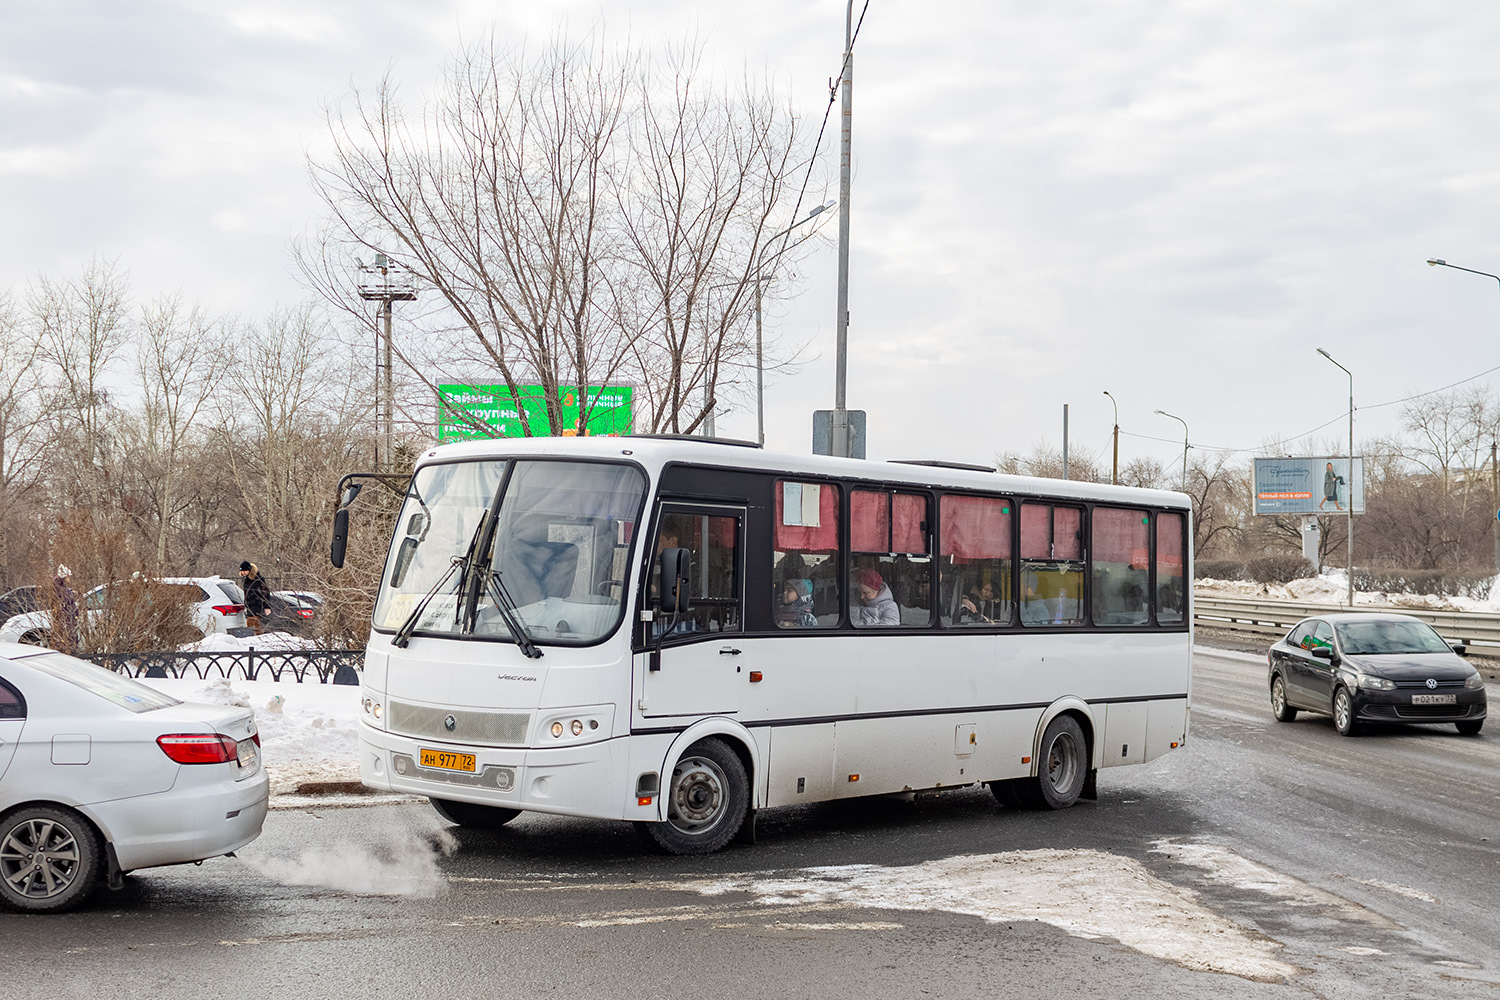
x,y
1495,475
1114,474
1349,505
1185,445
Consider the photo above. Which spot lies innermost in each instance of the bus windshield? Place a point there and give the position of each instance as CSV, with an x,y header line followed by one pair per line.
x,y
558,549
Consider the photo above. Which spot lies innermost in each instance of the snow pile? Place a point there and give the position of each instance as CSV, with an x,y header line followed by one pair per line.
x,y
223,642
1087,893
1332,588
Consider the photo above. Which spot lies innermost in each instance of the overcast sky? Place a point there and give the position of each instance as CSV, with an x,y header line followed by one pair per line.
x,y
1176,202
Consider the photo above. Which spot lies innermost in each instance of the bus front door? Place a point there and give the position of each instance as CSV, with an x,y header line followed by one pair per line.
x,y
697,654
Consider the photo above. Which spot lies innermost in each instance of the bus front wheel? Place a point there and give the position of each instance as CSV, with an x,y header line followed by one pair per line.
x,y
475,817
1062,765
706,800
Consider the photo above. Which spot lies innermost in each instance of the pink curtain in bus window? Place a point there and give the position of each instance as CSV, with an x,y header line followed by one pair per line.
x,y
909,524
1067,533
1036,533
1169,544
1121,536
976,528
869,521
824,537
723,531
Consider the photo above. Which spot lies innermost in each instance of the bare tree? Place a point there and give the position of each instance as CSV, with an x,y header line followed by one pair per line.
x,y
22,438
182,361
571,211
81,326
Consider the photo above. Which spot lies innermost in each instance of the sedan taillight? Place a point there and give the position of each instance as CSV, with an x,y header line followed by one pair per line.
x,y
229,609
199,748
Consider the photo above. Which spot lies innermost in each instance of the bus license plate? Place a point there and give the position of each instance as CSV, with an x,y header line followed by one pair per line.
x,y
1433,699
447,761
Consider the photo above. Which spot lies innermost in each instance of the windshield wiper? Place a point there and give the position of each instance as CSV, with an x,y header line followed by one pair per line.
x,y
507,608
464,562
403,634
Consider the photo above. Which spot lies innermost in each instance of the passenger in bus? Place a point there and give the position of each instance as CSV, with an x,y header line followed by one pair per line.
x,y
978,605
796,609
877,606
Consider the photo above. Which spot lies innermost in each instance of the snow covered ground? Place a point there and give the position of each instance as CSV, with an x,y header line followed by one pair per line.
x,y
1332,588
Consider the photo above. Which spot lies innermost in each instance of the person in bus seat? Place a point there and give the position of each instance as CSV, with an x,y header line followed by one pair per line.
x,y
877,606
796,608
978,605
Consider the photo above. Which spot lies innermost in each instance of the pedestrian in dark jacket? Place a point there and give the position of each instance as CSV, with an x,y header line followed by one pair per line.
x,y
257,593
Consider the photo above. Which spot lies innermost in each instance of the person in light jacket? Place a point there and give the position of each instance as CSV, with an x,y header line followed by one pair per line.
x,y
877,606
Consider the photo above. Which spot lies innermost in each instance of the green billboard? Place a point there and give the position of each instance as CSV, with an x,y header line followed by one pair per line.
x,y
466,412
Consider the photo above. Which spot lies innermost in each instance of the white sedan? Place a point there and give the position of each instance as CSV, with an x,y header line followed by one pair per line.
x,y
100,775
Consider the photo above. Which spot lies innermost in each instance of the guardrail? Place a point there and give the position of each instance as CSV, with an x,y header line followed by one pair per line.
x,y
310,666
1273,618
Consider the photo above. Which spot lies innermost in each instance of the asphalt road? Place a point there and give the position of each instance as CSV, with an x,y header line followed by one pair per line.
x,y
1368,867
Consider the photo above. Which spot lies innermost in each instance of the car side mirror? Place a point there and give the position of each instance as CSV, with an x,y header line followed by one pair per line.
x,y
1322,653
1460,649
675,574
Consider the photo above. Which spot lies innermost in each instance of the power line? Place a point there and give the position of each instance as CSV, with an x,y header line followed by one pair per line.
x,y
1293,437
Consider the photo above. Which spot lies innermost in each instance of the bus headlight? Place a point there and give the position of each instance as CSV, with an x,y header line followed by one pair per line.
x,y
557,730
577,727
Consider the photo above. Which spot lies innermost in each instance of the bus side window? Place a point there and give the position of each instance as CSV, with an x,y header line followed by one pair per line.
x,y
712,541
1171,589
1051,564
974,560
1122,566
804,563
891,560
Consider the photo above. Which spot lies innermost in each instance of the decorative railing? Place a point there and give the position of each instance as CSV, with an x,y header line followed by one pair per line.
x,y
305,666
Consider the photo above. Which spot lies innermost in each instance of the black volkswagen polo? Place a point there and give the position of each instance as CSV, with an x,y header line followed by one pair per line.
x,y
1366,667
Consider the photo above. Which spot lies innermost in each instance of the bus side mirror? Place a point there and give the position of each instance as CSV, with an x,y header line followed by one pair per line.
x,y
675,573
340,536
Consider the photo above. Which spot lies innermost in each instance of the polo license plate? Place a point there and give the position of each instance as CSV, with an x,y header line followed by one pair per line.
x,y
446,760
1433,699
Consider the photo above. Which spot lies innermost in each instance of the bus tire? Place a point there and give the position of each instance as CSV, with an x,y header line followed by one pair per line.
x,y
1062,765
474,817
707,799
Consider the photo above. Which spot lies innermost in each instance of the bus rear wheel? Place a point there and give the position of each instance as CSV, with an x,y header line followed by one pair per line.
x,y
706,800
475,817
1062,766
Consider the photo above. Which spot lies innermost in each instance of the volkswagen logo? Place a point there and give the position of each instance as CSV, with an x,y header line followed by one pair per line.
x,y
450,723
1431,683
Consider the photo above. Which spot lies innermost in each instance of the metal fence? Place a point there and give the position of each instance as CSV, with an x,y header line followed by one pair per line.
x,y
305,666
1273,618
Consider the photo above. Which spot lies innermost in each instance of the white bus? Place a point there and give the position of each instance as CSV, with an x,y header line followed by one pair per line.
x,y
678,632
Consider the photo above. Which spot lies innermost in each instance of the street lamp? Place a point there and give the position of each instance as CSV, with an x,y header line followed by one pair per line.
x,y
1349,504
1114,475
1185,445
1494,471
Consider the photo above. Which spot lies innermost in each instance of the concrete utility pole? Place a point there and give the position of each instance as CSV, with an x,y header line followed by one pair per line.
x,y
838,431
